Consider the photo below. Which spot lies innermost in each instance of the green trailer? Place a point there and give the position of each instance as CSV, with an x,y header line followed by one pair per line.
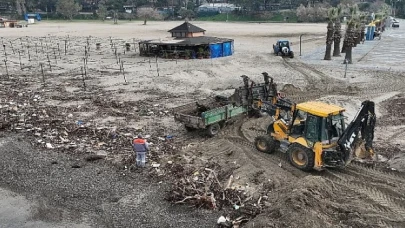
x,y
208,114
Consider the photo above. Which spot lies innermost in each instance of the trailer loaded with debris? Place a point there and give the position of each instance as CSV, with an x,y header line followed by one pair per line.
x,y
210,114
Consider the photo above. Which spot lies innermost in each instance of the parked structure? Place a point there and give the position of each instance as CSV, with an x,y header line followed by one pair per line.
x,y
217,7
187,41
35,16
4,23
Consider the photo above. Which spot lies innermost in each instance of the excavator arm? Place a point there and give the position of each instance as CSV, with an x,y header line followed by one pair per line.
x,y
363,123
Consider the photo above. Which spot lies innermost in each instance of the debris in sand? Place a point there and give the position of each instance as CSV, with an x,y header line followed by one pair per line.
x,y
203,188
94,157
55,128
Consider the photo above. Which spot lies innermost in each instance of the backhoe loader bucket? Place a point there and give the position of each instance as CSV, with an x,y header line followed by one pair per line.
x,y
361,154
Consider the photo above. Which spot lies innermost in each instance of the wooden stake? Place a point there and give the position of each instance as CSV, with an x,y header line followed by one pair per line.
x,y
49,62
5,63
157,66
43,75
54,56
19,57
11,45
123,72
85,66
83,79
65,46
29,55
59,50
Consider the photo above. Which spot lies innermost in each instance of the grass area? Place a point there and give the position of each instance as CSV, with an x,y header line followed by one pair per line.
x,y
277,17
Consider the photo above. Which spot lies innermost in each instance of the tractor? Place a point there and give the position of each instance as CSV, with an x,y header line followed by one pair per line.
x,y
283,48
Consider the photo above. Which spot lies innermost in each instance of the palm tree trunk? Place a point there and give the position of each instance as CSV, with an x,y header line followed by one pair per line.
x,y
348,56
363,35
329,41
336,37
328,52
350,42
358,37
344,45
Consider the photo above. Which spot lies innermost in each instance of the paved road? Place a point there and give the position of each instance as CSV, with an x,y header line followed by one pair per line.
x,y
390,51
387,53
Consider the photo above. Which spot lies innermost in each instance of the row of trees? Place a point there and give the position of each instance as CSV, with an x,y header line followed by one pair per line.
x,y
307,10
354,33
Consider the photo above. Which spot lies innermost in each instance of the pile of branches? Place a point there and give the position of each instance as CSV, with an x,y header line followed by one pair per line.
x,y
203,188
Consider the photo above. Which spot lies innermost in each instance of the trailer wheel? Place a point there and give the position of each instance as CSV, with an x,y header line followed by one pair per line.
x,y
213,129
189,129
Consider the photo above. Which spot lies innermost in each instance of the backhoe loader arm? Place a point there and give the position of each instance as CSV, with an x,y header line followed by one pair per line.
x,y
364,123
274,109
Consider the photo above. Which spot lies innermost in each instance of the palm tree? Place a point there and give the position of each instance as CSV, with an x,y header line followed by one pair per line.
x,y
354,17
337,35
350,36
329,34
350,40
363,18
357,33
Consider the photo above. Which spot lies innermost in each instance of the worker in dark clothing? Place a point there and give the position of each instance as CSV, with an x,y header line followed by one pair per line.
x,y
140,147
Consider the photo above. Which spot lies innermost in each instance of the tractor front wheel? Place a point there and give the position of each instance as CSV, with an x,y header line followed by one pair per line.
x,y
265,143
301,157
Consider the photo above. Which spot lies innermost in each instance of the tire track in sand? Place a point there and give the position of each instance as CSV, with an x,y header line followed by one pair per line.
x,y
385,201
235,135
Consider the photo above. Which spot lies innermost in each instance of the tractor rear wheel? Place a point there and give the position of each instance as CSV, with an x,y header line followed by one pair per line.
x,y
301,157
265,143
291,54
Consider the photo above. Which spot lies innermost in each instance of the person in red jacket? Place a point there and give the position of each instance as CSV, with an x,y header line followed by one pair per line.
x,y
140,147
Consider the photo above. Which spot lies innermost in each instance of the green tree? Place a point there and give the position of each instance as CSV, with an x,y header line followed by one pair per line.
x,y
102,10
185,13
332,13
147,13
68,8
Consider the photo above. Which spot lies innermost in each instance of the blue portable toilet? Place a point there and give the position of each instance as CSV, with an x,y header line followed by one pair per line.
x,y
370,32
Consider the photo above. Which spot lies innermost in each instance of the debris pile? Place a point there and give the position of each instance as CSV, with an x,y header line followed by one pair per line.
x,y
56,127
207,187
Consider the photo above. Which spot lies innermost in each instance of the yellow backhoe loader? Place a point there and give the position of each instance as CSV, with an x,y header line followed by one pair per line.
x,y
313,134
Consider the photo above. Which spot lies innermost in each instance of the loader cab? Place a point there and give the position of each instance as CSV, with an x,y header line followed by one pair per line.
x,y
316,122
283,43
